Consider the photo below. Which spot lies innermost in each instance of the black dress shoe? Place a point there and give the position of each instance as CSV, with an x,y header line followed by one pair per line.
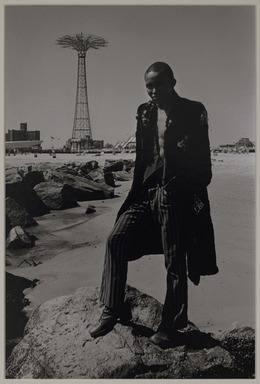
x,y
109,318
163,339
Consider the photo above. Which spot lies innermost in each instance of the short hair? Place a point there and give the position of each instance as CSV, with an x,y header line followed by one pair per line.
x,y
161,67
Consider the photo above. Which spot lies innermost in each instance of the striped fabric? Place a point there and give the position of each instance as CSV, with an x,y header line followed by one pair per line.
x,y
160,207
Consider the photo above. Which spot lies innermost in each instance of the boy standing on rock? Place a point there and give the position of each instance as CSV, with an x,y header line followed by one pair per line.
x,y
167,209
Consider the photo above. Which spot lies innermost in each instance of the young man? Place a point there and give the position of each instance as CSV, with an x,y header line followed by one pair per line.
x,y
167,209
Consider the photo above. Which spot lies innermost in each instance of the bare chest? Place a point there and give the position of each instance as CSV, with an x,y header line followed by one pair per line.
x,y
161,122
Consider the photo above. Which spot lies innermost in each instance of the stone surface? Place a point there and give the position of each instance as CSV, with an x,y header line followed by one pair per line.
x,y
113,166
33,178
57,344
96,175
18,215
109,179
129,165
240,341
8,225
12,175
26,197
19,238
90,209
15,302
84,189
85,168
123,176
56,195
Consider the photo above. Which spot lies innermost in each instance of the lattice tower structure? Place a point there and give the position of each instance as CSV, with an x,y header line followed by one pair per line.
x,y
81,126
81,132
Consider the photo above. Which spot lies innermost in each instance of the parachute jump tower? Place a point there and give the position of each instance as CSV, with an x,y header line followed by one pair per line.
x,y
81,133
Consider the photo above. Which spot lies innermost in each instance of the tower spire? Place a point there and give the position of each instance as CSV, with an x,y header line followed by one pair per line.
x,y
81,132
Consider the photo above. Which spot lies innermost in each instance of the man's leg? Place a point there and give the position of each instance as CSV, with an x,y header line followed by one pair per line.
x,y
117,254
115,264
174,314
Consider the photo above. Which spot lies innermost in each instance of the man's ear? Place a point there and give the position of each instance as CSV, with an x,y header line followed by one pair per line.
x,y
174,81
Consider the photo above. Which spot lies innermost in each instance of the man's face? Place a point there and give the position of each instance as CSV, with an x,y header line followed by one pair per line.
x,y
159,87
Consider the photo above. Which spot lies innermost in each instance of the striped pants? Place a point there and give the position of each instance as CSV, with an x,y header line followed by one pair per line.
x,y
160,209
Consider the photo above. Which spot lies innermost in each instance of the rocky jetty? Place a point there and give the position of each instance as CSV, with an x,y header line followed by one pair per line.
x,y
88,181
57,345
37,189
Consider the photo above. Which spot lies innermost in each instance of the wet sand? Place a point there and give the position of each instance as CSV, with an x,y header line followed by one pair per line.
x,y
70,246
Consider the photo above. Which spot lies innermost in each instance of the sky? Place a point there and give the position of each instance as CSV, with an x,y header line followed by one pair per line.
x,y
211,50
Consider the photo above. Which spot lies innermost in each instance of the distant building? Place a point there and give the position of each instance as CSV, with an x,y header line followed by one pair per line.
x,y
129,144
22,138
244,142
78,145
97,144
243,145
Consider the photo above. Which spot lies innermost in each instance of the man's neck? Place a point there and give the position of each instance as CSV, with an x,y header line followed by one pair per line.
x,y
167,107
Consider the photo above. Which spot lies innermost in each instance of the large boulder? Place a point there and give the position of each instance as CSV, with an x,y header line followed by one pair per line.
x,y
15,318
18,215
12,175
96,175
56,195
26,197
109,179
57,345
129,165
113,166
84,189
240,341
85,168
8,225
33,178
123,176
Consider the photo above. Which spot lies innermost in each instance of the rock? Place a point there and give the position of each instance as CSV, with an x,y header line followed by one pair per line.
x,y
26,197
8,225
85,168
18,215
8,262
122,176
84,189
109,179
90,209
113,166
129,165
239,340
19,238
12,175
33,178
15,302
56,195
96,175
57,344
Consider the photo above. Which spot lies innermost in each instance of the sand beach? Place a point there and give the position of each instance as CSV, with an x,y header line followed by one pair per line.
x,y
70,248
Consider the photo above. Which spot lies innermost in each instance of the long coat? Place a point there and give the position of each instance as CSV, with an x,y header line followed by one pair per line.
x,y
188,164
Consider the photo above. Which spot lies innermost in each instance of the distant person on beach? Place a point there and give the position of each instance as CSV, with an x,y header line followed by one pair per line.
x,y
167,209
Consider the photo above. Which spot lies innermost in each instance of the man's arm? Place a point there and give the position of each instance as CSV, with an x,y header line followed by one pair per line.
x,y
195,172
200,173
